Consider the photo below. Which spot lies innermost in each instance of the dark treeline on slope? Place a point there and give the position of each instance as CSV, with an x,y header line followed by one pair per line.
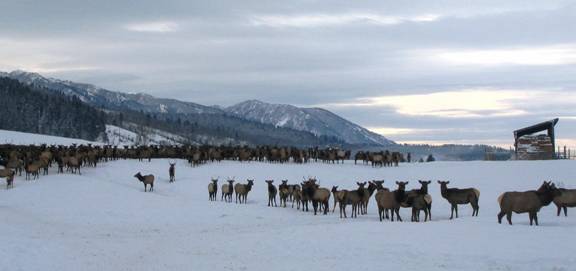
x,y
23,109
214,128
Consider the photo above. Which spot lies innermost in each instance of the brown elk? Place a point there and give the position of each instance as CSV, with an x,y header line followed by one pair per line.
x,y
146,180
419,200
9,175
372,186
318,195
355,198
242,191
340,198
32,170
526,202
272,191
284,192
212,189
297,197
227,190
565,199
390,200
457,196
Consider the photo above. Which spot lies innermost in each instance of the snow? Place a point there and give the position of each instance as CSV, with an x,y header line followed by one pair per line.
x,y
121,136
20,138
103,220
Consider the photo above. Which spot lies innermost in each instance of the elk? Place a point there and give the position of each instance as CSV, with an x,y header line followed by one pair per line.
x,y
526,202
390,200
212,189
340,198
32,170
227,190
372,186
9,175
355,198
297,197
565,199
318,196
419,200
74,164
146,180
242,191
457,196
172,171
284,192
272,191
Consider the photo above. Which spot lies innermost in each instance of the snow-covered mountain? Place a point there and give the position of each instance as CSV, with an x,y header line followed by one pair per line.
x,y
100,97
318,121
252,118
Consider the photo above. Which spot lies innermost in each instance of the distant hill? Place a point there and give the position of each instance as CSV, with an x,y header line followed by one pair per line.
x,y
315,120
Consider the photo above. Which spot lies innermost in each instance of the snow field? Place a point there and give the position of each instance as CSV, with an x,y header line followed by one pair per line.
x,y
103,220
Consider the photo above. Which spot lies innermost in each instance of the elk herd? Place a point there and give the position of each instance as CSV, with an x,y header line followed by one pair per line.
x,y
389,202
306,195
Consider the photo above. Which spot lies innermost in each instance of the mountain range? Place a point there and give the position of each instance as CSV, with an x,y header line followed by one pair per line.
x,y
248,122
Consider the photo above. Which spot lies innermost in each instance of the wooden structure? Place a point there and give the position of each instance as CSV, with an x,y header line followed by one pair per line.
x,y
529,146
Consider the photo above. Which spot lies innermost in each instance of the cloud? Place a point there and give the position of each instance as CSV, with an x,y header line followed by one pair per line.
x,y
545,55
473,103
319,20
155,27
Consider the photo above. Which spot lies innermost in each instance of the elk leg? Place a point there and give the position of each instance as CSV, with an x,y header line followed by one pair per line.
x,y
398,214
509,217
456,208
565,211
531,217
536,218
451,211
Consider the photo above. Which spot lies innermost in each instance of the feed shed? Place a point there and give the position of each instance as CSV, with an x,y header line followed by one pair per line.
x,y
529,145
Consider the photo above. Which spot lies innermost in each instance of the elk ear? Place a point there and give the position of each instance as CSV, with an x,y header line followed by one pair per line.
x,y
447,182
358,183
397,183
420,181
429,182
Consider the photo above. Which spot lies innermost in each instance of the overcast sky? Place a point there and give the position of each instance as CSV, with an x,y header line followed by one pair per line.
x,y
415,71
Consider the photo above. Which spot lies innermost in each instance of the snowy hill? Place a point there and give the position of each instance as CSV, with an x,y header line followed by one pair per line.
x,y
315,120
144,136
19,138
100,97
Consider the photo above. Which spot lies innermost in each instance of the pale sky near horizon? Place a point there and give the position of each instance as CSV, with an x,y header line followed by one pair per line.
x,y
415,71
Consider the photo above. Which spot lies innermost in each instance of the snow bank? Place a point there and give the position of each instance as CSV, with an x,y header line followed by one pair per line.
x,y
103,220
20,138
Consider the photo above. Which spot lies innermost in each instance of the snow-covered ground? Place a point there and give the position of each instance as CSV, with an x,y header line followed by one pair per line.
x,y
103,220
20,138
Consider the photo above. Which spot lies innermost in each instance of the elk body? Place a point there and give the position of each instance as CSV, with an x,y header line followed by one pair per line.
x,y
565,199
390,201
340,198
227,190
212,189
457,196
526,202
172,172
146,180
242,191
419,200
9,175
272,191
283,192
319,196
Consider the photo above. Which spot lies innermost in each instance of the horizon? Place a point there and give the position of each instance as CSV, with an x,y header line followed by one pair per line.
x,y
432,73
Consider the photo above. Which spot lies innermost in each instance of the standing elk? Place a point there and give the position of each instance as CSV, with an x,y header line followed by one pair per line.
x,y
318,196
355,198
457,196
227,190
9,175
272,191
284,192
390,201
526,202
419,200
172,172
146,180
565,199
212,189
297,197
242,191
340,198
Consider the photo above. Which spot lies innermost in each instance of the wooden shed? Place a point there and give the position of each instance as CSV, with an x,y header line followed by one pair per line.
x,y
529,145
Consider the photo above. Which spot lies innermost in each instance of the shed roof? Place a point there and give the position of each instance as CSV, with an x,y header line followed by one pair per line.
x,y
543,126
